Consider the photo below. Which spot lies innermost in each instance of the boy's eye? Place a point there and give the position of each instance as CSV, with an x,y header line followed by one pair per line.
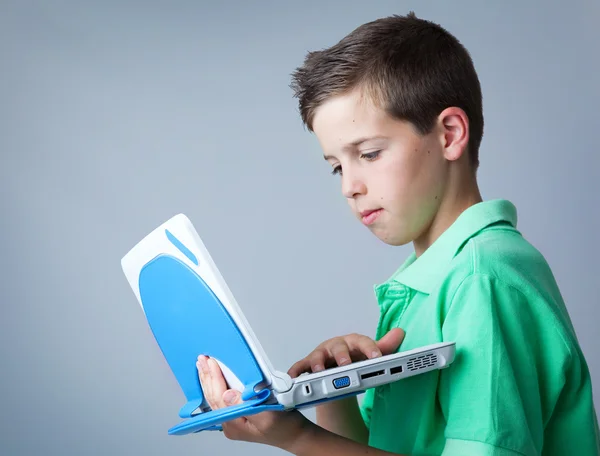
x,y
371,155
337,170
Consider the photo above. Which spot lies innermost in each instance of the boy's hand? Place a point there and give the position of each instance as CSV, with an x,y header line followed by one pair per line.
x,y
280,429
344,350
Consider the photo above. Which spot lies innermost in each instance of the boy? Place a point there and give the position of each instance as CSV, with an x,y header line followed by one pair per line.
x,y
396,107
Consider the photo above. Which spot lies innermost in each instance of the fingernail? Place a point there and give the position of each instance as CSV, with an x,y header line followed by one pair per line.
x,y
343,360
203,365
374,354
317,368
229,397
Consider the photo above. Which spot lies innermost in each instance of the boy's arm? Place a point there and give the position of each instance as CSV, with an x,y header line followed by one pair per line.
x,y
316,441
343,417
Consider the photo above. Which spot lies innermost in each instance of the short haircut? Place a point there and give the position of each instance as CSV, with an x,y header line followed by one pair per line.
x,y
410,67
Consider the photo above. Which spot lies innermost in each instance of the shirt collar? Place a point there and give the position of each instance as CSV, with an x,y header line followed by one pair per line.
x,y
423,273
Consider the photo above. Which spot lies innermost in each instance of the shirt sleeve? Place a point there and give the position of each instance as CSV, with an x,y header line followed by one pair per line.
x,y
494,394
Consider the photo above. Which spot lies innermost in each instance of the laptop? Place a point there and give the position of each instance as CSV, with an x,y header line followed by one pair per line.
x,y
191,311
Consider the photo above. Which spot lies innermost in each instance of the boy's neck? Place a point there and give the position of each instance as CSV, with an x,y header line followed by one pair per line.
x,y
455,202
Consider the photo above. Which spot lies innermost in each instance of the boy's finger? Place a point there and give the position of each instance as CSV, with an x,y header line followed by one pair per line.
x,y
204,374
218,383
339,350
368,347
231,397
391,341
299,367
317,360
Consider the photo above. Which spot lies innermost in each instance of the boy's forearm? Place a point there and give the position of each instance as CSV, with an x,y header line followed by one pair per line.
x,y
343,417
316,441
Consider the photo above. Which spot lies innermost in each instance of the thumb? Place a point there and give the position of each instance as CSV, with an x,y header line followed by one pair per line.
x,y
391,341
232,397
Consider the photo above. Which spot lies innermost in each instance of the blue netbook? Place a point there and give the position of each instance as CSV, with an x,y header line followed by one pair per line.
x,y
192,312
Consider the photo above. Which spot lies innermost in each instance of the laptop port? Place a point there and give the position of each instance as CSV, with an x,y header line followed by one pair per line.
x,y
341,382
372,374
395,370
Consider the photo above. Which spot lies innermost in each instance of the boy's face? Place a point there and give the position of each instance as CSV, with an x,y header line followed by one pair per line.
x,y
393,178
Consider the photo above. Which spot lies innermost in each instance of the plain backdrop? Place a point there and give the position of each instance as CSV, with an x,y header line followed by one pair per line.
x,y
116,115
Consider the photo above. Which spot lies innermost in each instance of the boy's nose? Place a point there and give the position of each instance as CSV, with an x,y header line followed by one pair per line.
x,y
352,186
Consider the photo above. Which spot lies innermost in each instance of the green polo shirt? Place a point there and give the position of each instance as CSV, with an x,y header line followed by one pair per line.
x,y
519,385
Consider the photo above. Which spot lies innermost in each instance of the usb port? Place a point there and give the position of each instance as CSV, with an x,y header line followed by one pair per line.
x,y
341,382
395,370
372,374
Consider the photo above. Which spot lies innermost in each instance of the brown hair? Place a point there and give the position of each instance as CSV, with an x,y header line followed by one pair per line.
x,y
410,67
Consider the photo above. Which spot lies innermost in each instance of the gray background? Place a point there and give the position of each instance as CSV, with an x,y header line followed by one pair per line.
x,y
116,115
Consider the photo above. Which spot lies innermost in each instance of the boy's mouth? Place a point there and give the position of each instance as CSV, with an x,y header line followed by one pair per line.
x,y
369,216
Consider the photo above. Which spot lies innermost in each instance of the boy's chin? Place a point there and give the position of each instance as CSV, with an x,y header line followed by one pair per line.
x,y
393,239
396,242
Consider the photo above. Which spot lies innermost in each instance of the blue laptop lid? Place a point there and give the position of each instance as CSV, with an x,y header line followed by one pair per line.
x,y
187,320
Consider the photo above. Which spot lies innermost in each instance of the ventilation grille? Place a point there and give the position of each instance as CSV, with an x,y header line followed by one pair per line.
x,y
421,362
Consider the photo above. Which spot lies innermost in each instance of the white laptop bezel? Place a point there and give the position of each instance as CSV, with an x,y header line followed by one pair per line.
x,y
156,243
444,351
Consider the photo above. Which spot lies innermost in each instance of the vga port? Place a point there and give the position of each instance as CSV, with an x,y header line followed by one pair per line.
x,y
341,382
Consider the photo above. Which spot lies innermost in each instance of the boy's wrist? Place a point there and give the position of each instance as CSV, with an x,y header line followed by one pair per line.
x,y
306,438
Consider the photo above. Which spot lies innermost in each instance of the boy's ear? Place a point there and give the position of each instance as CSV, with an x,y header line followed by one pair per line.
x,y
455,129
